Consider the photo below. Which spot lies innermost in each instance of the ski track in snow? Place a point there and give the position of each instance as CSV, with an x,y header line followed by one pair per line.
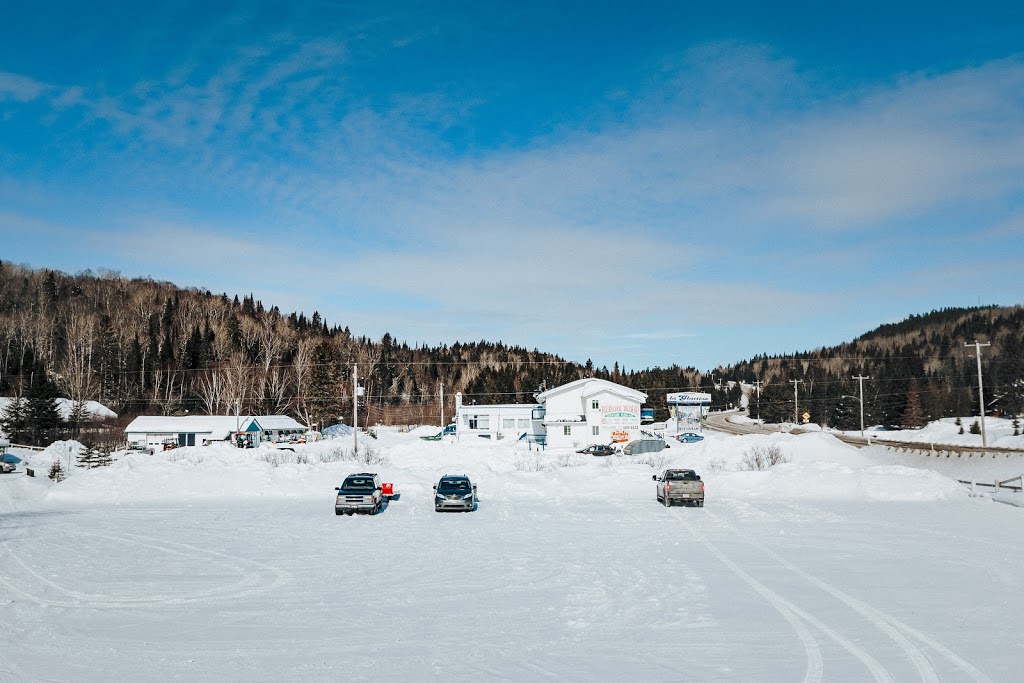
x,y
891,626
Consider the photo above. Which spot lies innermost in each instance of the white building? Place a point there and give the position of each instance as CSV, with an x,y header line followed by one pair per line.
x,y
153,431
590,411
493,421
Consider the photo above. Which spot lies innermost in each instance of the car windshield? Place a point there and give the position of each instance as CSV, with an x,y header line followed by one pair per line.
x,y
681,475
358,484
453,485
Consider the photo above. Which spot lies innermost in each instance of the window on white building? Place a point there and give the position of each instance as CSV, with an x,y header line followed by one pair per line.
x,y
596,431
567,430
508,423
523,423
479,421
595,404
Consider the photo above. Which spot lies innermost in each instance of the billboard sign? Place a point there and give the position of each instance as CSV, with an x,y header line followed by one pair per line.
x,y
688,398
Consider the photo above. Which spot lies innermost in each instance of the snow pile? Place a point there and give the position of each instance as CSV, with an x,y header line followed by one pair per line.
x,y
337,431
999,433
810,467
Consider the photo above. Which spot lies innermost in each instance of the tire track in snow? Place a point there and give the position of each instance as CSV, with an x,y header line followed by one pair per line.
x,y
815,668
247,586
886,623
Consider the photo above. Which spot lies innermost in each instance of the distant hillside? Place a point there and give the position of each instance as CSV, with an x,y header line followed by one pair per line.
x,y
920,369
141,346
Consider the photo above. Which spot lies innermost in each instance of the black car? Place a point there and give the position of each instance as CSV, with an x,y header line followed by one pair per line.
x,y
597,449
455,492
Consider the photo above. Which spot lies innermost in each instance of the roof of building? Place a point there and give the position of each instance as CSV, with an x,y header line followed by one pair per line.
x,y
268,422
218,426
159,424
590,386
490,406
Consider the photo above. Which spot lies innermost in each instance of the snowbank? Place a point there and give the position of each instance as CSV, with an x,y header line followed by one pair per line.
x,y
812,467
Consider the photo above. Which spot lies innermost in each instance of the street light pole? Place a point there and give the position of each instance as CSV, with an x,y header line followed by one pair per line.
x,y
981,390
860,380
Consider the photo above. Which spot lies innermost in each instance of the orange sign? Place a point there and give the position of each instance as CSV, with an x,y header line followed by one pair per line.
x,y
620,437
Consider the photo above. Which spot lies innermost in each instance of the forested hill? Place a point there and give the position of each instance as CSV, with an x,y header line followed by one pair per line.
x,y
141,346
920,369
147,347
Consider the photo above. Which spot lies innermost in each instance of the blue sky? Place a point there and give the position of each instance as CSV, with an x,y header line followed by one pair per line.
x,y
646,182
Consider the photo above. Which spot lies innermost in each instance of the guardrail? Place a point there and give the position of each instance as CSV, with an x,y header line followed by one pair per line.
x,y
997,485
28,448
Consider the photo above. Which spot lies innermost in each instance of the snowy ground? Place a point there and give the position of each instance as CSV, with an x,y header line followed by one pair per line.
x,y
217,563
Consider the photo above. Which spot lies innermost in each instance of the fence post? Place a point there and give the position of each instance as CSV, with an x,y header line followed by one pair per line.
x,y
997,486
974,490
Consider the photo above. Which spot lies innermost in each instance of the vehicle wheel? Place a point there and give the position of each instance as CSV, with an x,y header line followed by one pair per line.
x,y
700,503
337,512
666,501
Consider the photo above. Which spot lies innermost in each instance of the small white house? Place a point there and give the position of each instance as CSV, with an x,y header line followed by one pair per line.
x,y
277,428
153,431
493,421
590,411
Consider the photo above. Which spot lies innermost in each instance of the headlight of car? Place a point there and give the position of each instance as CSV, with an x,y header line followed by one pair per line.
x,y
439,496
467,496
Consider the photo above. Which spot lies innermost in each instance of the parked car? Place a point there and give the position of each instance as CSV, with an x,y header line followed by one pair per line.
x,y
455,492
359,493
598,449
679,486
6,467
689,437
449,430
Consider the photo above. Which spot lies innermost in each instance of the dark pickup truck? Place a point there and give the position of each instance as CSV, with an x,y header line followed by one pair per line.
x,y
679,486
360,493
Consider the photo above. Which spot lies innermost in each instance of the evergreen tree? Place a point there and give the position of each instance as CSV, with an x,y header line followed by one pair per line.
x,y
913,415
14,420
88,457
42,413
975,427
57,471
324,401
104,456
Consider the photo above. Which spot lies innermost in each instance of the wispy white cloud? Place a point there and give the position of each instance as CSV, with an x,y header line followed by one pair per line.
x,y
695,202
20,88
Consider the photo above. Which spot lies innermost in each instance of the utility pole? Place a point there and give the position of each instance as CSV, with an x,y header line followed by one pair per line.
x,y
355,410
796,400
860,380
757,384
981,390
442,409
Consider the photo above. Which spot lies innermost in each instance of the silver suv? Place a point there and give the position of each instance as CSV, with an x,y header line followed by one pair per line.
x,y
360,493
455,492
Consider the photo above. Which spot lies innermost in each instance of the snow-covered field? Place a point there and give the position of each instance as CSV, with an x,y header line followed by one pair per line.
x,y
219,563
